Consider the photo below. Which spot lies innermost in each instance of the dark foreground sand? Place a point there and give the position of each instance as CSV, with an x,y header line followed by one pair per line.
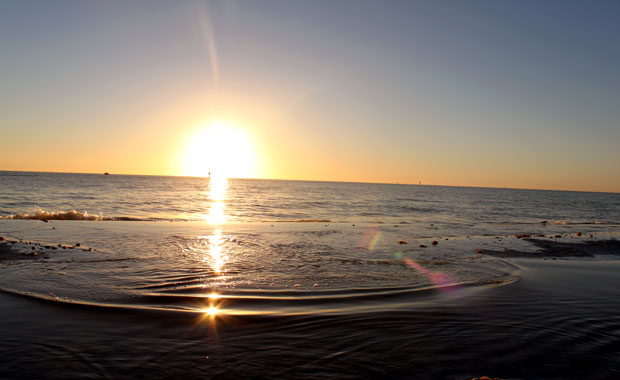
x,y
560,321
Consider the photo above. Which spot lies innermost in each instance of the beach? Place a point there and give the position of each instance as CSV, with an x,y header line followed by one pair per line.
x,y
558,321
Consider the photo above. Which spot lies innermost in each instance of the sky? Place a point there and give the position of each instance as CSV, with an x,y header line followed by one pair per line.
x,y
522,94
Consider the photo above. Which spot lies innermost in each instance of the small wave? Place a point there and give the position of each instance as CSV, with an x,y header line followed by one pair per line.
x,y
39,214
281,303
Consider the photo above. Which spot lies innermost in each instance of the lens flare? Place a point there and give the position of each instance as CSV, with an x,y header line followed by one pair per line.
x,y
438,279
212,311
369,240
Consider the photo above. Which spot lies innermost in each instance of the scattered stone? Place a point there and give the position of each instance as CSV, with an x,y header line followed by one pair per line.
x,y
77,244
33,253
435,242
297,286
316,285
557,236
479,251
402,242
2,238
422,246
578,233
544,222
522,236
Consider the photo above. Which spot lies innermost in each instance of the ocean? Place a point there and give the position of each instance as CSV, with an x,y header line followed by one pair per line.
x,y
120,276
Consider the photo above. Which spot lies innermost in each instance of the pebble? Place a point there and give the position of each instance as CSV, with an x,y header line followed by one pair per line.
x,y
435,242
297,286
578,233
402,242
2,238
316,285
422,246
479,250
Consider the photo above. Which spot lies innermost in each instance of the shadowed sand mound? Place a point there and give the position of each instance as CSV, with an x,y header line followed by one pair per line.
x,y
548,248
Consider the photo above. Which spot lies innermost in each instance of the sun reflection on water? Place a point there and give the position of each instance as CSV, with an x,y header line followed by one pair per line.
x,y
218,187
217,257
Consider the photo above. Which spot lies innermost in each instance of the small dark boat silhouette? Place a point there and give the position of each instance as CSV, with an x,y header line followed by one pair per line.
x,y
106,173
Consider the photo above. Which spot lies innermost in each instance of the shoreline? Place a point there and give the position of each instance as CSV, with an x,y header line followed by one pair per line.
x,y
516,327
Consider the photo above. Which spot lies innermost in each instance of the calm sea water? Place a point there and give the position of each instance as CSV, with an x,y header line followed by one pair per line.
x,y
303,263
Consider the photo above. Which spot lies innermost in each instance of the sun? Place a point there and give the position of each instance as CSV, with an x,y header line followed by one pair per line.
x,y
222,150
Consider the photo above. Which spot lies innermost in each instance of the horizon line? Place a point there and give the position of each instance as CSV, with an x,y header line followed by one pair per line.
x,y
318,180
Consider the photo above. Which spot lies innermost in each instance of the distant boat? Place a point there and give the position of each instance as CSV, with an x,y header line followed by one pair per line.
x,y
106,173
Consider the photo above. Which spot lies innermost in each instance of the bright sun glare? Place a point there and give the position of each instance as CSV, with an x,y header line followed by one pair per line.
x,y
220,150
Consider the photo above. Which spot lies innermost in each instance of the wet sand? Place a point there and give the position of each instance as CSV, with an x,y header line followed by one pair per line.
x,y
559,321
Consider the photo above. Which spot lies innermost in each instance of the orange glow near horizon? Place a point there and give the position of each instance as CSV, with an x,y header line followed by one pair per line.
x,y
220,150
